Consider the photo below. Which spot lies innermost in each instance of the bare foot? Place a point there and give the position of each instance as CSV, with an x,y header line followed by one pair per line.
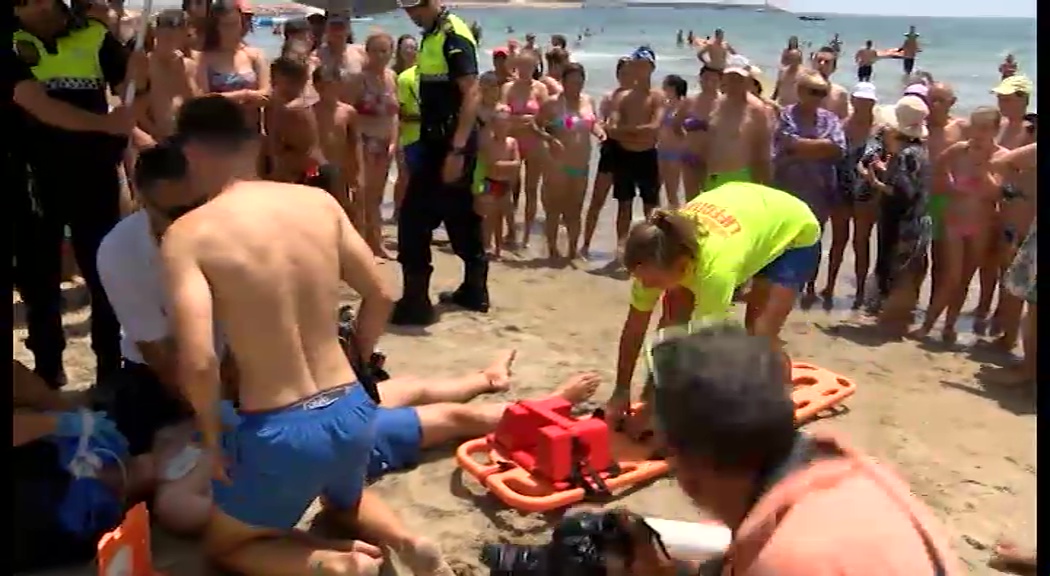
x,y
980,324
949,336
499,372
1004,343
579,387
1014,376
424,558
585,253
920,333
1008,557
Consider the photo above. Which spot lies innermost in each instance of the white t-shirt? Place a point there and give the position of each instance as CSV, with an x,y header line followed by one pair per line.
x,y
130,270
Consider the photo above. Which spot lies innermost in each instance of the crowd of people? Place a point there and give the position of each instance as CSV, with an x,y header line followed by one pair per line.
x,y
223,397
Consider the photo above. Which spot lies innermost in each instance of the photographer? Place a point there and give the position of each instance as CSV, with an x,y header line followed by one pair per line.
x,y
797,504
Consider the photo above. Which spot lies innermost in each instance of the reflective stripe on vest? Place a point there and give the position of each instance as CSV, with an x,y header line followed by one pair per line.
x,y
75,65
431,64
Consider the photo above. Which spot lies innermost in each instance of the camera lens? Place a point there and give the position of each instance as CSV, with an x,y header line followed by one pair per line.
x,y
511,560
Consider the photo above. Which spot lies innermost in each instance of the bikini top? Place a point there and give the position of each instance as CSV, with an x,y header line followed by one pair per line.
x,y
966,182
229,81
522,107
376,101
583,122
693,124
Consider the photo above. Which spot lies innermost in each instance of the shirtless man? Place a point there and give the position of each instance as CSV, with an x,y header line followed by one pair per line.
x,y
339,58
944,130
171,73
634,122
786,91
737,146
263,260
715,52
292,141
1017,209
825,62
340,141
1008,68
910,50
865,58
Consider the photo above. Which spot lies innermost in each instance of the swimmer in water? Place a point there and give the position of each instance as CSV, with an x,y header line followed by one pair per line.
x,y
568,123
498,168
1008,68
909,51
865,59
696,257
716,51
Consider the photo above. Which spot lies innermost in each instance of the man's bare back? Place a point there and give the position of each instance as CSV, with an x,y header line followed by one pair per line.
x,y
275,295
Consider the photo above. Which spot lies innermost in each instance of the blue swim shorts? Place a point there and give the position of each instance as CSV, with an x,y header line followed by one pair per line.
x,y
794,267
399,439
281,460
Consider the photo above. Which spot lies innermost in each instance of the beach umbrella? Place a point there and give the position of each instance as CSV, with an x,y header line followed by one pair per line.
x,y
356,8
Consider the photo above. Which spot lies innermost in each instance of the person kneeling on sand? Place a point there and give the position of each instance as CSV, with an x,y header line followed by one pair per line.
x,y
796,504
416,414
696,258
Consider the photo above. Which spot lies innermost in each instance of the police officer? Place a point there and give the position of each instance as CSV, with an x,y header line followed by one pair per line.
x,y
439,188
74,177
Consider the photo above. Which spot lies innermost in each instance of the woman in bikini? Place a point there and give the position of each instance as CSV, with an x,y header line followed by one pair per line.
x,y
693,120
525,96
970,218
227,66
408,95
374,94
568,123
671,144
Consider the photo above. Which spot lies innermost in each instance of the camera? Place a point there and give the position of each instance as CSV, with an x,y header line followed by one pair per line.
x,y
579,546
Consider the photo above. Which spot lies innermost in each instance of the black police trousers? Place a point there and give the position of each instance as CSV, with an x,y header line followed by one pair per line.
x,y
82,192
430,202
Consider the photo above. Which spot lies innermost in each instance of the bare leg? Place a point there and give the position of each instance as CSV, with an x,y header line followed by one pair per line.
x,y
577,189
1008,318
840,222
671,174
442,423
534,164
988,275
864,216
377,169
484,206
412,391
623,222
599,194
553,196
971,262
374,521
947,282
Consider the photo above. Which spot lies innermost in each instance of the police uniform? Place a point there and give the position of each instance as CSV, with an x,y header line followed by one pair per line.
x,y
75,183
447,52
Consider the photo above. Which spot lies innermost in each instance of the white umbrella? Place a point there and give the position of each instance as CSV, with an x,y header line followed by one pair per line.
x,y
355,8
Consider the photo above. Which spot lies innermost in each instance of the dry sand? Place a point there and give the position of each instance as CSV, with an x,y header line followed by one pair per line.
x,y
967,449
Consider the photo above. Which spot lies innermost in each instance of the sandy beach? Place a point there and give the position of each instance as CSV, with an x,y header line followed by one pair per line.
x,y
966,448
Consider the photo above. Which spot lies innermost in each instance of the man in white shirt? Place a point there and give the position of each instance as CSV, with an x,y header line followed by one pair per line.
x,y
143,396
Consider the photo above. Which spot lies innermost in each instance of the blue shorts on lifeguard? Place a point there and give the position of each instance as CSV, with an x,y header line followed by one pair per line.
x,y
399,438
281,460
794,268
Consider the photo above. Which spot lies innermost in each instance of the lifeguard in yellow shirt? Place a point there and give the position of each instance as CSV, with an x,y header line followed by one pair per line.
x,y
697,256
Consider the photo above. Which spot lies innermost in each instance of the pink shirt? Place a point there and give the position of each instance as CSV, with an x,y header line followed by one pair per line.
x,y
840,516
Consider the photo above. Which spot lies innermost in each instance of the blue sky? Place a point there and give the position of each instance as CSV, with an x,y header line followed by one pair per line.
x,y
1010,8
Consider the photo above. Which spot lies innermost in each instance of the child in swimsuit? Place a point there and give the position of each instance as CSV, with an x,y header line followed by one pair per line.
x,y
499,162
671,147
569,122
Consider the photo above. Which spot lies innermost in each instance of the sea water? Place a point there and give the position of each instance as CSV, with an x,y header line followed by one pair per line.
x,y
965,52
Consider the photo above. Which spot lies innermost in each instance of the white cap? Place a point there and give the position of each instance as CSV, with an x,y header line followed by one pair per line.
x,y
737,64
920,90
865,91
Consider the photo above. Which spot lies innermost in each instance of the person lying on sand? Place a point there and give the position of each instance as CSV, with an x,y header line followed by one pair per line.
x,y
416,414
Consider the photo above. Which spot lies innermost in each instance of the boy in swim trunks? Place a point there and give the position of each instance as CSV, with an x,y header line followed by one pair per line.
x,y
498,166
696,257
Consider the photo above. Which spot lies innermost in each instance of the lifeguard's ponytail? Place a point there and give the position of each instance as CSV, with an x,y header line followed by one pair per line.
x,y
661,240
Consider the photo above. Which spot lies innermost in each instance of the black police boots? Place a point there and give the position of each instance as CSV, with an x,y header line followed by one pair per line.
x,y
473,293
414,308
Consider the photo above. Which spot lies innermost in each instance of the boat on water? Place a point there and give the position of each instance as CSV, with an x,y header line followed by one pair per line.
x,y
811,18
